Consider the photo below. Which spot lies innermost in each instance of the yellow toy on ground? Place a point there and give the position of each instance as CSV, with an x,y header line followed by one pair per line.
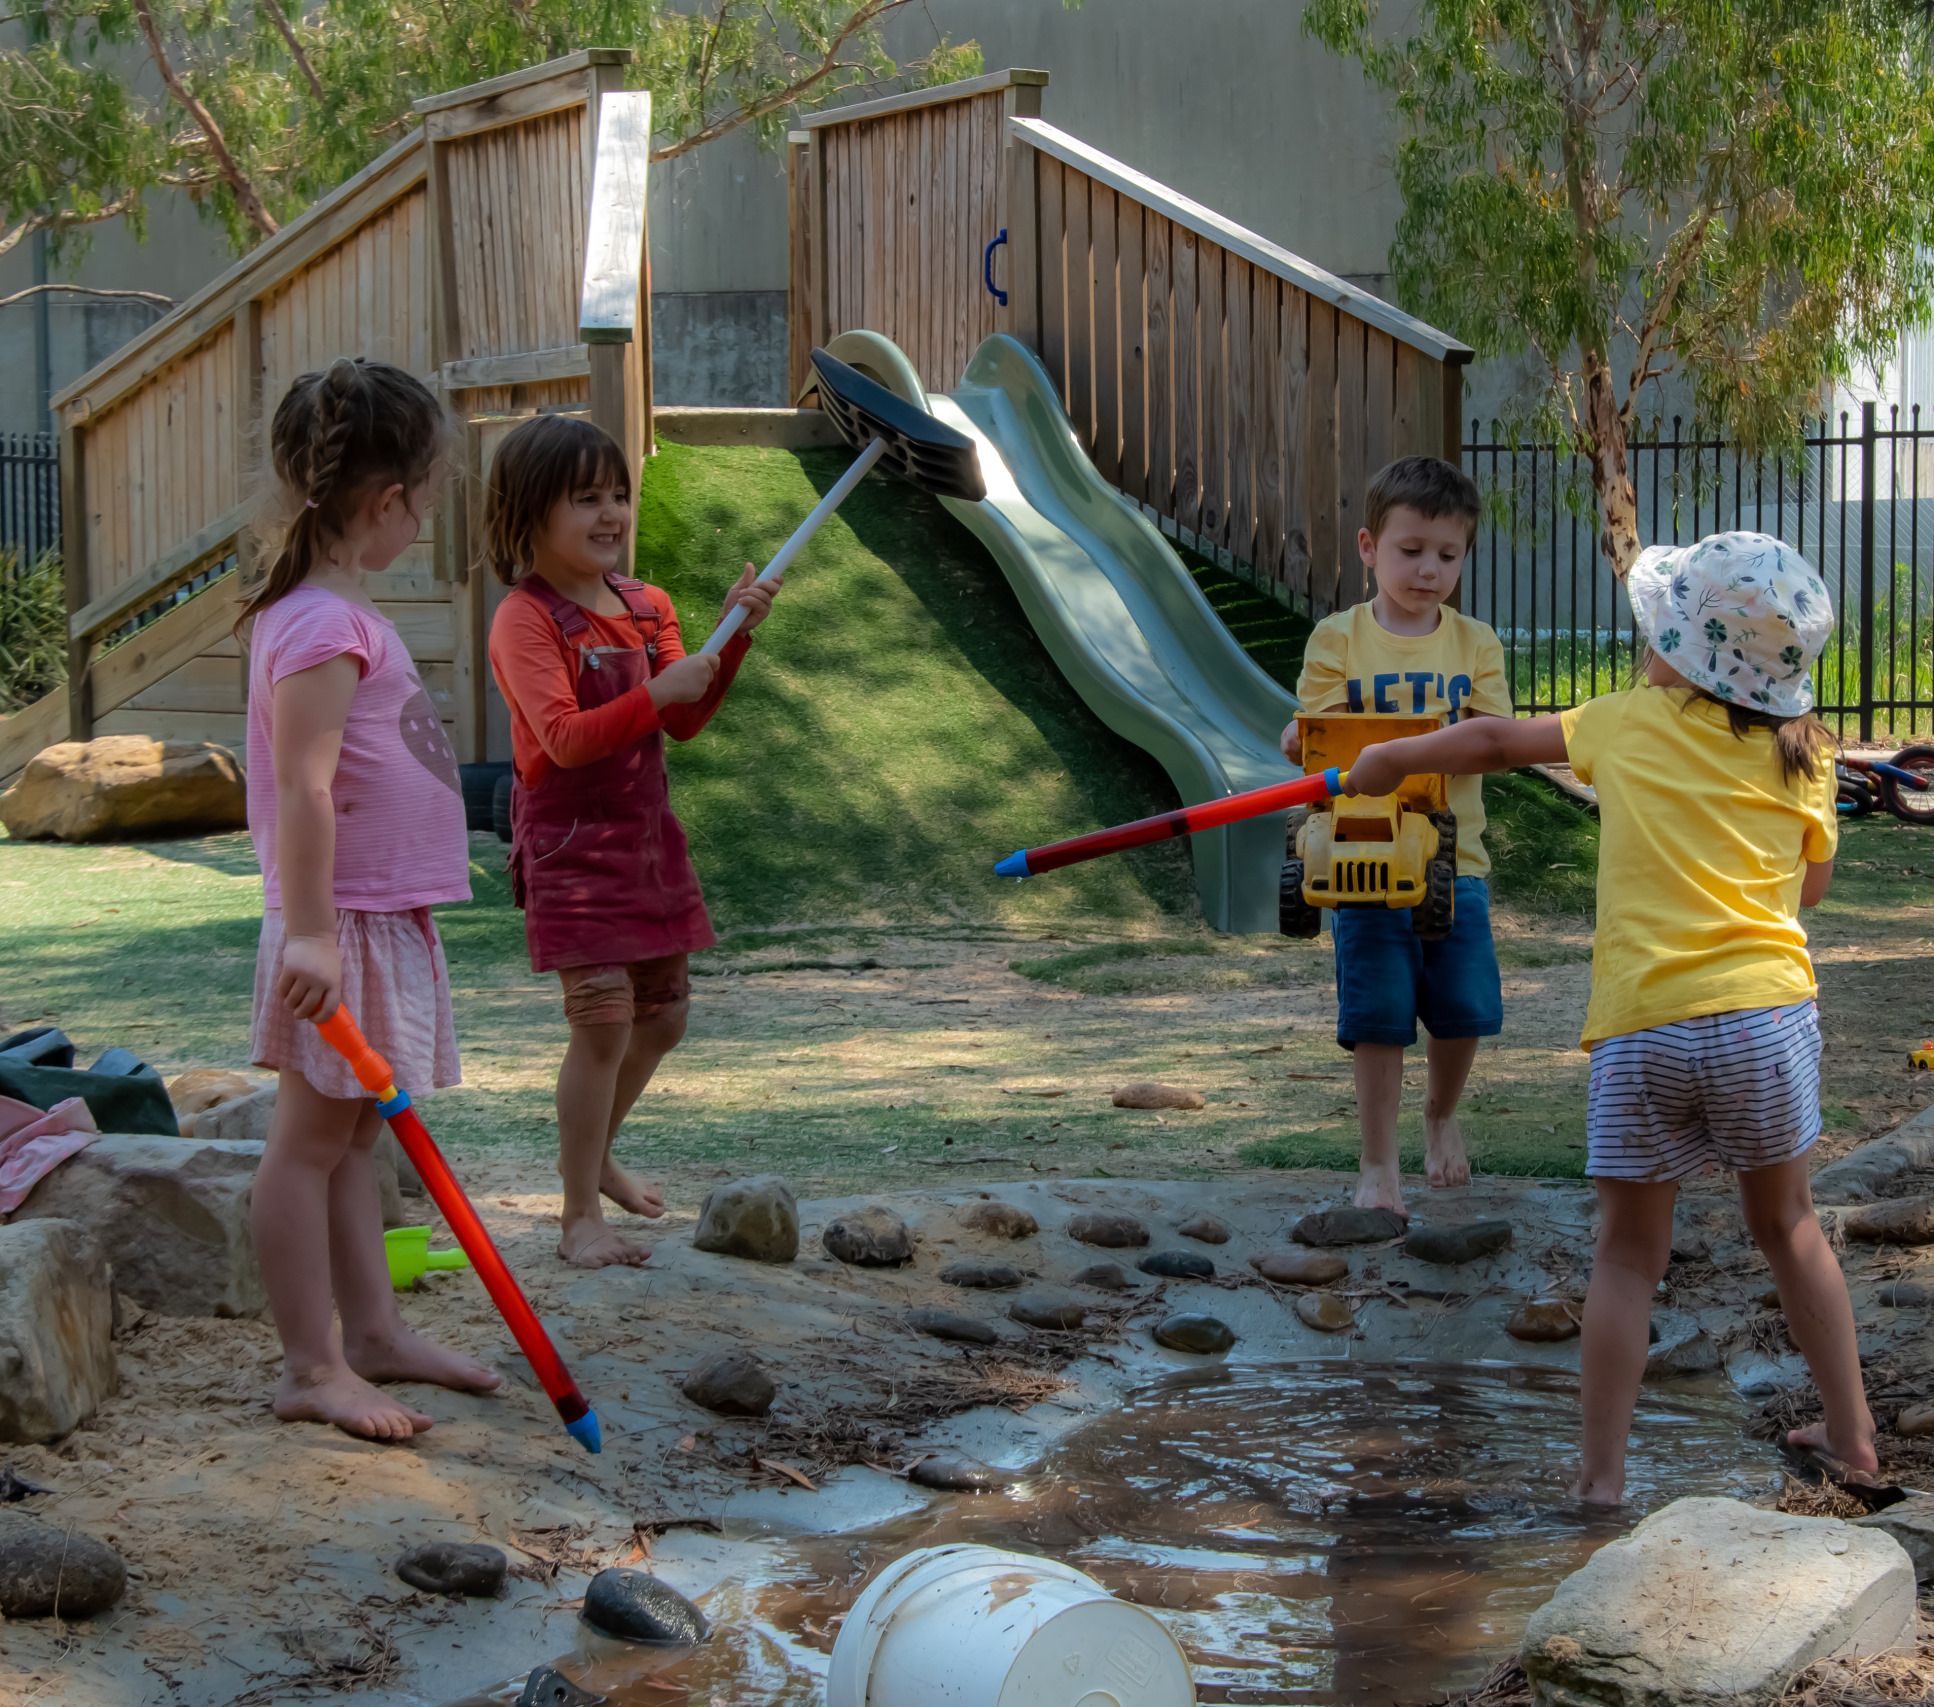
x,y
1923,1056
1386,850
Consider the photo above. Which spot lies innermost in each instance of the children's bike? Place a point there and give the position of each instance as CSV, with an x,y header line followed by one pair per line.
x,y
1903,784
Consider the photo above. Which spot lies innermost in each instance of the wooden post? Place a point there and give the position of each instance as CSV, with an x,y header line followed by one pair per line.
x,y
251,438
1022,189
73,548
1453,431
615,306
821,290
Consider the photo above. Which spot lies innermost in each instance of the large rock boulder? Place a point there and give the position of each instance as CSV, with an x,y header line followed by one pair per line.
x,y
49,1570
1710,1601
1911,1523
56,1330
171,1214
755,1218
122,787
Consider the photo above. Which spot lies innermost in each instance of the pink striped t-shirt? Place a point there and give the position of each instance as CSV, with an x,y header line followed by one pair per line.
x,y
401,840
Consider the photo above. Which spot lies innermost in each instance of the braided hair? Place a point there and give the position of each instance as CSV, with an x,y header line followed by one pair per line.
x,y
353,427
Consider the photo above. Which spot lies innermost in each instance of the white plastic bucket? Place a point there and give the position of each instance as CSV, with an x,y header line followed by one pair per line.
x,y
969,1626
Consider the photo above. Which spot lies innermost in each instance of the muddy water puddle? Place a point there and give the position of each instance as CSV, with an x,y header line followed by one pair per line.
x,y
1315,1533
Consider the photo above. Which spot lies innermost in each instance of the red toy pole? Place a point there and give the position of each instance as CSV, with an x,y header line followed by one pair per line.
x,y
372,1072
1184,821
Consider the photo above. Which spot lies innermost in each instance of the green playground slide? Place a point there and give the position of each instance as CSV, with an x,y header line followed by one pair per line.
x,y
1117,611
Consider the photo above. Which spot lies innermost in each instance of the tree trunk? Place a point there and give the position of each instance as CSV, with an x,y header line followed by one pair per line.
x,y
1618,510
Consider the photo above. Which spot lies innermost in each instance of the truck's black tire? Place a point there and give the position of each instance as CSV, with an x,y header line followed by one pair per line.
x,y
1434,915
500,806
479,785
1294,916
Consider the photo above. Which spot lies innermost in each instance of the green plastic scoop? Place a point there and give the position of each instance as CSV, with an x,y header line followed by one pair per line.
x,y
410,1256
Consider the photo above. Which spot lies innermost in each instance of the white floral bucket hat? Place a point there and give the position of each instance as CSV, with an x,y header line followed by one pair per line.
x,y
1742,615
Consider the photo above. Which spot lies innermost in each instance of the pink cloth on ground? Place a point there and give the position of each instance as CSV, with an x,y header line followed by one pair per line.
x,y
33,1144
401,840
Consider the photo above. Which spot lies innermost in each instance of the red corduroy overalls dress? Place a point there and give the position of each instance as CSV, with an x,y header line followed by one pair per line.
x,y
598,860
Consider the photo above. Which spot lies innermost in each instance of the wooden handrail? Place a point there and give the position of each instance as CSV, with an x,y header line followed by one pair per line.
x,y
1238,240
514,81
112,609
614,243
939,95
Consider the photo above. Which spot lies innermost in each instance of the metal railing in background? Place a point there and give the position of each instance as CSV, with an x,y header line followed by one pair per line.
x,y
29,498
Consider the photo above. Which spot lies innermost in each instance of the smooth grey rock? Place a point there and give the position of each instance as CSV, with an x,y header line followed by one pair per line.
x,y
1178,1265
1350,1226
1868,1170
1691,1244
1905,1295
548,1687
1105,1277
1916,1422
1911,1523
732,1385
1448,1246
242,1119
1053,1310
1544,1321
1300,1268
1149,1093
1691,1351
169,1214
755,1218
1107,1228
983,1276
955,1472
1206,1336
56,1329
1206,1229
873,1237
48,1570
945,1325
635,1606
454,1568
1713,1602
1325,1311
998,1220
1898,1221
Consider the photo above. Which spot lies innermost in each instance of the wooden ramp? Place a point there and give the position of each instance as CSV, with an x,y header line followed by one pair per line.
x,y
498,251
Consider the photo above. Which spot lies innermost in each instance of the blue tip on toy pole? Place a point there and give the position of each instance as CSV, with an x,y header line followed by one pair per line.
x,y
586,1433
1015,865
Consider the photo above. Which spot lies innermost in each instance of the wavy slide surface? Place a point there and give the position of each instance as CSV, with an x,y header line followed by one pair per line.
x,y
1117,610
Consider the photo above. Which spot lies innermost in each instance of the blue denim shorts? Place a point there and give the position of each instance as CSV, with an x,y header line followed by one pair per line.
x,y
1387,981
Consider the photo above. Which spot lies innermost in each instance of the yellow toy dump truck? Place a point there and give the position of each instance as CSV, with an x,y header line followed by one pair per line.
x,y
1389,850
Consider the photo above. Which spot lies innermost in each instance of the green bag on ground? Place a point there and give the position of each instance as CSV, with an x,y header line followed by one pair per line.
x,y
123,1093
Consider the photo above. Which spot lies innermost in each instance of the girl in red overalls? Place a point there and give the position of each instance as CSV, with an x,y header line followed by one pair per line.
x,y
592,666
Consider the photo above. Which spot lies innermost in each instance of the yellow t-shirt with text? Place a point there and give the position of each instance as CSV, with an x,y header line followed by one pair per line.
x,y
1354,663
1701,854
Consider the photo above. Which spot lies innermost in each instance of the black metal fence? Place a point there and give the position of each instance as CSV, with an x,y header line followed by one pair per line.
x,y
29,497
1851,500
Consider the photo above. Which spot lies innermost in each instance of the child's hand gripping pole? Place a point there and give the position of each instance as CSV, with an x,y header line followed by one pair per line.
x,y
1184,821
372,1072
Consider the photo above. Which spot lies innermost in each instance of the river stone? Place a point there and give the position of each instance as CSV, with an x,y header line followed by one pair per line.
x,y
202,1088
454,1568
1691,1352
983,1276
56,1329
1451,1245
170,1214
1348,1227
873,1237
1148,1093
1325,1311
1769,1299
548,1687
1711,1601
48,1570
1911,1523
1178,1265
1110,1229
1916,1422
754,1218
1690,1244
731,1384
945,1325
1000,1220
1543,1321
1206,1229
1900,1221
1300,1268
1206,1336
635,1606
125,788
1905,1295
1048,1310
955,1472
1105,1277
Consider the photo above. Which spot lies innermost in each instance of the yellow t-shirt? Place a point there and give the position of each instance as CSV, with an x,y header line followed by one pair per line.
x,y
1702,851
1354,663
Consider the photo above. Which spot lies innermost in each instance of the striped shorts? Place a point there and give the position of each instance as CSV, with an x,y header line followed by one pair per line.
x,y
1738,1090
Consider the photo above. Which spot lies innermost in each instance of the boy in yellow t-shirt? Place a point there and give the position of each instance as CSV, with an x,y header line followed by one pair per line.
x,y
1404,651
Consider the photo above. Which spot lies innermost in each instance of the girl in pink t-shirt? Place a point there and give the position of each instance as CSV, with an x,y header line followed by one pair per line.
x,y
358,821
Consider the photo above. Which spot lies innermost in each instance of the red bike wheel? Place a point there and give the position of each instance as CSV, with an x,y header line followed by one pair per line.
x,y
1911,805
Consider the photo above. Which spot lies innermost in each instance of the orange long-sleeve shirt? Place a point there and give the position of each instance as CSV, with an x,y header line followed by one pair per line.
x,y
537,669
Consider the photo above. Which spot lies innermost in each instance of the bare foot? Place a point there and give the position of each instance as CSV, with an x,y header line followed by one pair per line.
x,y
639,1196
1858,1456
1598,1493
410,1357
592,1244
342,1397
1380,1188
1445,1162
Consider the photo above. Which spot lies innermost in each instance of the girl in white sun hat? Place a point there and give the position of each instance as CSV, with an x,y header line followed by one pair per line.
x,y
1716,804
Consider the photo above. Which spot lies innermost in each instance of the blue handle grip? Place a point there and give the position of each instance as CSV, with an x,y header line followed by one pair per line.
x,y
987,267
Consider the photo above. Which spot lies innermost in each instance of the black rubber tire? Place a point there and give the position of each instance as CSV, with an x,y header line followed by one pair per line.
x,y
1860,793
1295,917
1446,823
500,807
1911,806
479,785
1431,919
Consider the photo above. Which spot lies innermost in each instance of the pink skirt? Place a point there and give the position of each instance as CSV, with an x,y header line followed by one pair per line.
x,y
394,981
